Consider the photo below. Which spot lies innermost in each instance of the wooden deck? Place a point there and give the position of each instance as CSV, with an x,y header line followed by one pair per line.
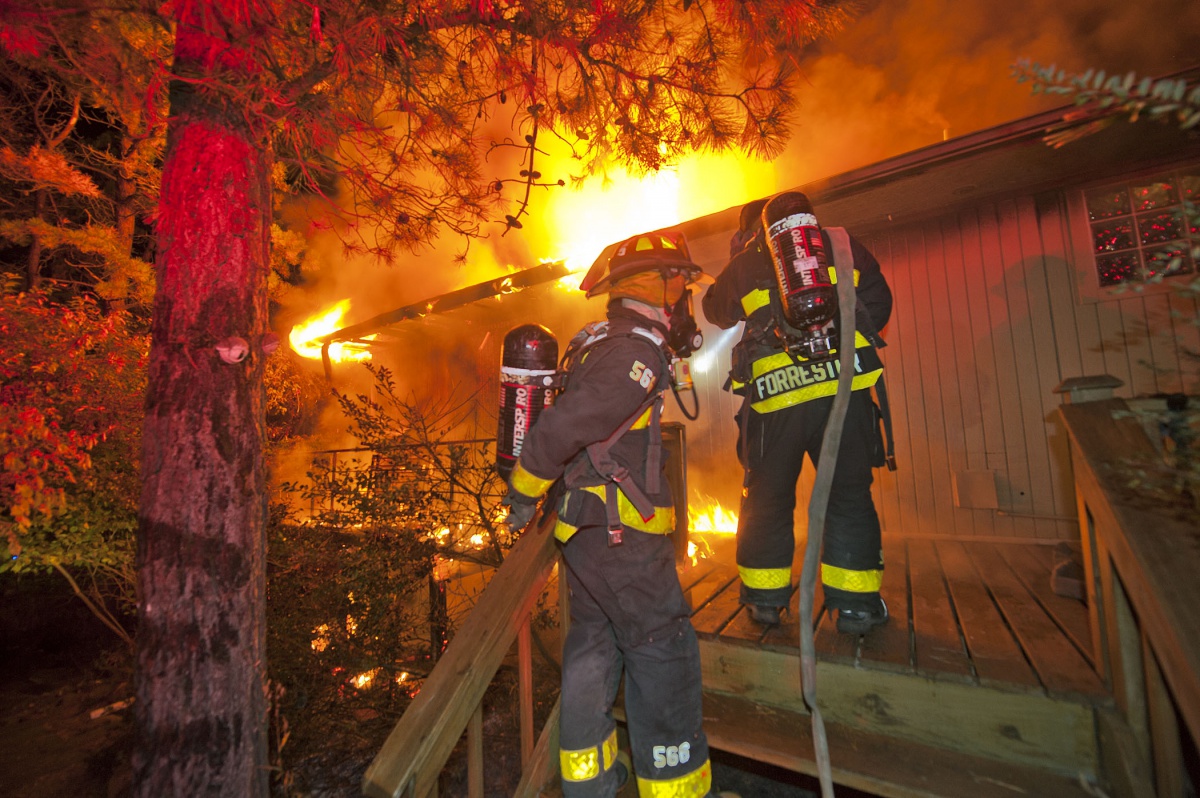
x,y
978,613
982,670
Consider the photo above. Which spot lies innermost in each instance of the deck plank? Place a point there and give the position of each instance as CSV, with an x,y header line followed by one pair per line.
x,y
1059,665
700,593
691,575
890,646
716,614
938,647
994,651
1034,566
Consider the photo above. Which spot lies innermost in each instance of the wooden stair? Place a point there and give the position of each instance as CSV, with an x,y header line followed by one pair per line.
x,y
872,762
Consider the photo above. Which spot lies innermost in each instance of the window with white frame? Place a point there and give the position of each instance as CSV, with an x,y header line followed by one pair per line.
x,y
1145,228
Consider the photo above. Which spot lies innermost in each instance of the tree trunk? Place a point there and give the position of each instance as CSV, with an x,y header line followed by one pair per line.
x,y
200,719
126,212
126,196
33,259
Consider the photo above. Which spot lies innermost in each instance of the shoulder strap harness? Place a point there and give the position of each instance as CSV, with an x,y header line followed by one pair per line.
x,y
616,475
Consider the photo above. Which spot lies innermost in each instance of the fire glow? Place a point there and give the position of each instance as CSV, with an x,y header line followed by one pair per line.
x,y
712,518
576,225
305,337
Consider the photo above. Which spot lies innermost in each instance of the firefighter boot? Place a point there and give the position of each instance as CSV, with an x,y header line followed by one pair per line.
x,y
624,767
765,614
859,622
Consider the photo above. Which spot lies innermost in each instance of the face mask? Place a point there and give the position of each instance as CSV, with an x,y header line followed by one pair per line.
x,y
683,336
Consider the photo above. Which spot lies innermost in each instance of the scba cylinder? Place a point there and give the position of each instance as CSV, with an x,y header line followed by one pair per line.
x,y
806,291
528,364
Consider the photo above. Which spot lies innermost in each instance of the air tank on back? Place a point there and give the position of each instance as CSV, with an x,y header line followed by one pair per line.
x,y
801,264
528,363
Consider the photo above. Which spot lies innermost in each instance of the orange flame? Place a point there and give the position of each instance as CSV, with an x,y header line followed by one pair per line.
x,y
304,337
712,518
576,225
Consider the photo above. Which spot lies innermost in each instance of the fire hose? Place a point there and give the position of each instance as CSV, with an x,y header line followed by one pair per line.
x,y
818,503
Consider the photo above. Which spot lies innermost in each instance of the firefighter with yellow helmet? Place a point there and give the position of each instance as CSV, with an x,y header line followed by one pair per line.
x,y
601,438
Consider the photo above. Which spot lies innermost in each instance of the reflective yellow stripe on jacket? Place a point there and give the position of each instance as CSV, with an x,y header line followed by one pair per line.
x,y
661,523
761,297
807,380
527,483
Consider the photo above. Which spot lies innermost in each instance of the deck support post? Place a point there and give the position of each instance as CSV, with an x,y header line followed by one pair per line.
x,y
1164,729
1091,554
475,753
1129,682
525,691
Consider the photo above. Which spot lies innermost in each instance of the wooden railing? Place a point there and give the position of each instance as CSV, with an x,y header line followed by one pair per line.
x,y
450,701
1142,568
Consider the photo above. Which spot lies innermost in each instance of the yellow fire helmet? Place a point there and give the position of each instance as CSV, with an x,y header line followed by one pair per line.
x,y
655,259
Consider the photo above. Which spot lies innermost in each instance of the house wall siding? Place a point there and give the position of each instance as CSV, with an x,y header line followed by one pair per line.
x,y
987,324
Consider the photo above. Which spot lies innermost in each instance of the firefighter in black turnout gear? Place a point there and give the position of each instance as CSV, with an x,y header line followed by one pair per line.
x,y
787,394
601,437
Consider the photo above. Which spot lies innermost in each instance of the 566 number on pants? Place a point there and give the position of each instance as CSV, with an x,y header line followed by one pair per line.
x,y
671,755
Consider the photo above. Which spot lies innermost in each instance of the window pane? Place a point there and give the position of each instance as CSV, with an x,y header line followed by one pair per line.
x,y
1113,235
1103,203
1155,228
1174,258
1115,269
1190,186
1154,195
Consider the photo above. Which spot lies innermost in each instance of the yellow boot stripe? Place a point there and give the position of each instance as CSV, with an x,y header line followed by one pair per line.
x,y
765,578
696,784
588,763
851,581
608,750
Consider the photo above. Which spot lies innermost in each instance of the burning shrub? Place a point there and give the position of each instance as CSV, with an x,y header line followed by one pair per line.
x,y
356,595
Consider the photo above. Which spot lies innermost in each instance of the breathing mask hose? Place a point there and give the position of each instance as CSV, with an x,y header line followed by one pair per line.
x,y
819,502
695,413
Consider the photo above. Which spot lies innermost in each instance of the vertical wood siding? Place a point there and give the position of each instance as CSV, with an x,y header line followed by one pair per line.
x,y
987,323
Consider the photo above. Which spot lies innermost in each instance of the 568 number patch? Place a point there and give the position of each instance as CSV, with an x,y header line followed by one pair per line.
x,y
668,756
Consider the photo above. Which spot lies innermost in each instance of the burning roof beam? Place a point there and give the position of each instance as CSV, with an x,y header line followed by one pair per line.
x,y
506,284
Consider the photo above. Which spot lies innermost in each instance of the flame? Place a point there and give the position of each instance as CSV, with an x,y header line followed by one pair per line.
x,y
601,214
578,223
321,641
712,518
304,336
364,680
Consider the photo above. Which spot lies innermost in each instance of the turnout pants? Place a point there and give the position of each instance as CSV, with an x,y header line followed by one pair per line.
x,y
773,449
628,612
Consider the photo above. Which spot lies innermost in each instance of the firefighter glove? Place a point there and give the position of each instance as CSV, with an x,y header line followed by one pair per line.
x,y
521,509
